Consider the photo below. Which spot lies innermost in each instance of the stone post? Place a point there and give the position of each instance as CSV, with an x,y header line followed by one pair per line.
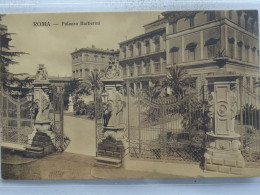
x,y
223,148
112,148
42,136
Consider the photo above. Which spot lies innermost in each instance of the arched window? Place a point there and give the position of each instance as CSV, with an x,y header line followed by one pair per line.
x,y
191,47
73,74
80,73
253,54
212,46
174,54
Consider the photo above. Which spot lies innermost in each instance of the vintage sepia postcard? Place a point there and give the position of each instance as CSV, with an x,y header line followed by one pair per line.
x,y
120,95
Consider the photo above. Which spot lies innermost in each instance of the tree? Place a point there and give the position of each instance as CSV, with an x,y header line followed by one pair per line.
x,y
10,82
178,81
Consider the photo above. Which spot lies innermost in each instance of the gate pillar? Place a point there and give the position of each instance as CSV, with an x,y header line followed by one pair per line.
x,y
111,149
223,146
42,137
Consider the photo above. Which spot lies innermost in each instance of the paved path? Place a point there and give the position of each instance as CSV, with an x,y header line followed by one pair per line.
x,y
82,135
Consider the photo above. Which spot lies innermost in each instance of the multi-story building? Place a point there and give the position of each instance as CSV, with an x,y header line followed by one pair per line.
x,y
143,57
199,40
85,60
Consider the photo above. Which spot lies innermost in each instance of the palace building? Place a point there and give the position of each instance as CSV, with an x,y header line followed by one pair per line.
x,y
201,41
85,60
143,57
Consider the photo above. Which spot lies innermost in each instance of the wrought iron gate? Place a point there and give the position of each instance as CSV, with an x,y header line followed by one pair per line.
x,y
166,128
16,119
56,115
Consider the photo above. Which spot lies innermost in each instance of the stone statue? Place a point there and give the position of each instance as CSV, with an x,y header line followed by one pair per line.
x,y
43,108
113,116
41,73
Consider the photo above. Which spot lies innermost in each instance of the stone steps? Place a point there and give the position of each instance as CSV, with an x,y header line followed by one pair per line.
x,y
105,161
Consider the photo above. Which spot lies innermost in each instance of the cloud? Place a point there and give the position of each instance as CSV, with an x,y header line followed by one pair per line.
x,y
52,45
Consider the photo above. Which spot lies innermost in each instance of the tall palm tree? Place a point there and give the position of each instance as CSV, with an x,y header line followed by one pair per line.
x,y
178,81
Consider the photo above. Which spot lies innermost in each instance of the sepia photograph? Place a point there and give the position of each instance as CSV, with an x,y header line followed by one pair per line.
x,y
124,95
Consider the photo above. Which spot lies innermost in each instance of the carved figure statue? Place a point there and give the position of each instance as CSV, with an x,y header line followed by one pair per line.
x,y
41,73
43,108
113,115
211,101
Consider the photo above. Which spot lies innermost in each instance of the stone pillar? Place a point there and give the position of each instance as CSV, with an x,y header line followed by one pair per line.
x,y
42,125
223,149
111,150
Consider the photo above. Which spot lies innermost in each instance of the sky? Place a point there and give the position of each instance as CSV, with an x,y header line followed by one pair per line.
x,y
52,45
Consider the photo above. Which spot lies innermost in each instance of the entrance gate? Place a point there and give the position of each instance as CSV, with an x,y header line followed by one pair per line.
x,y
16,119
166,128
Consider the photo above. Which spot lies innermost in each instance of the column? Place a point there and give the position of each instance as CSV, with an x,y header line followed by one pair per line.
x,y
201,45
182,49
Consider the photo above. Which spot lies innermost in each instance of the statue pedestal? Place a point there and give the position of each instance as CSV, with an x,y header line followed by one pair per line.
x,y
223,154
111,150
223,146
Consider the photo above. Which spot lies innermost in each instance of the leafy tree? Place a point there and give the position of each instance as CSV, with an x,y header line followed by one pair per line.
x,y
10,82
178,81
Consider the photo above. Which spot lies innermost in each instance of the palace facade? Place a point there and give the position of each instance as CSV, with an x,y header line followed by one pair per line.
x,y
200,41
143,57
85,60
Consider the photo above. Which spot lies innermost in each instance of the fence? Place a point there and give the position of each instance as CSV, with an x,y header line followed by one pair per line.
x,y
166,128
16,119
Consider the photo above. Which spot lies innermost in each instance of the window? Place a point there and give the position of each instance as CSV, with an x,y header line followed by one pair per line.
x,y
252,25
254,85
230,15
174,27
86,57
211,16
124,52
231,42
147,68
246,21
239,17
157,44
147,45
131,50
174,55
86,72
131,70
95,70
212,46
80,73
253,54
102,58
192,21
247,53
239,50
77,73
139,49
157,67
124,71
191,47
95,58
139,70
73,74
